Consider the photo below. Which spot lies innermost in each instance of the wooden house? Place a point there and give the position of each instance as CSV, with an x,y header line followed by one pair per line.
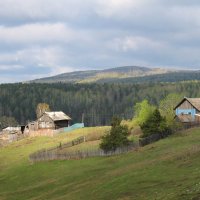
x,y
53,120
188,110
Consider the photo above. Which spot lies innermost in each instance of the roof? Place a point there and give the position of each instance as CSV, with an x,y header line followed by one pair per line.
x,y
57,116
194,101
12,129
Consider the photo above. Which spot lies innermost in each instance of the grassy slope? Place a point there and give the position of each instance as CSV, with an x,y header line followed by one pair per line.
x,y
168,169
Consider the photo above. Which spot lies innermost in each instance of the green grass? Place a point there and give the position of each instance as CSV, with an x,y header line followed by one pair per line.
x,y
86,146
168,169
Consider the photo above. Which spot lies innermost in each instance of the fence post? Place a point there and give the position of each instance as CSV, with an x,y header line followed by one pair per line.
x,y
54,154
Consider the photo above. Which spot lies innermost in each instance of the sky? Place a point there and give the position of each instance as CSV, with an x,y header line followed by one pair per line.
x,y
40,38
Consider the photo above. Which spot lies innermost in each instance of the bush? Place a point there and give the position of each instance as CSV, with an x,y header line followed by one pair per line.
x,y
154,124
142,112
117,137
166,108
129,123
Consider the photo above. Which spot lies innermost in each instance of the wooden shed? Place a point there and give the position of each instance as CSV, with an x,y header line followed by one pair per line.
x,y
53,120
188,110
32,126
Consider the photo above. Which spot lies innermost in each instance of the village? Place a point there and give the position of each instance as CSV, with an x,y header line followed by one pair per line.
x,y
48,124
52,123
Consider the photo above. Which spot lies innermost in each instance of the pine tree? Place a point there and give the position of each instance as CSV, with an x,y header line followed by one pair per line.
x,y
154,124
116,138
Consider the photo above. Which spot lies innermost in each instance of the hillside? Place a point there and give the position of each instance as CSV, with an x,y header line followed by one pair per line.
x,y
105,75
168,169
170,77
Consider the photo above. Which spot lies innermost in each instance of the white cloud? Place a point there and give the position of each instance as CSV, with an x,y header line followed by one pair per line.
x,y
7,58
51,58
44,10
60,70
10,67
37,9
115,8
134,43
135,11
42,57
36,33
185,16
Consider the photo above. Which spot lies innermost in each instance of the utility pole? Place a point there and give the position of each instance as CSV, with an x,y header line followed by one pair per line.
x,y
83,116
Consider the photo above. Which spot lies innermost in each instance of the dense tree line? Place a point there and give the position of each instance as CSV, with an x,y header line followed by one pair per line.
x,y
98,102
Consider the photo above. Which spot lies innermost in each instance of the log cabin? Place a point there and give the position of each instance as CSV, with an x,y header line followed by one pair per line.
x,y
188,110
53,120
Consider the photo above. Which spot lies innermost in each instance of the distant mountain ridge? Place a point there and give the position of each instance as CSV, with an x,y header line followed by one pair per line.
x,y
111,74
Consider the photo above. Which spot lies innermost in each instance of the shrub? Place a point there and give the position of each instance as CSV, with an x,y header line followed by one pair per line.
x,y
117,137
166,108
143,111
129,123
154,124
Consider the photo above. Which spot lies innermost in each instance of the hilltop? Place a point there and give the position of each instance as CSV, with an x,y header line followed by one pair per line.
x,y
129,74
168,169
105,75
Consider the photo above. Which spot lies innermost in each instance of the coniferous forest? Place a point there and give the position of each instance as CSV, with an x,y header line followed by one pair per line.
x,y
98,102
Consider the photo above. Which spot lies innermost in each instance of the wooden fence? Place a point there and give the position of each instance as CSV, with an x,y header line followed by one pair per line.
x,y
54,153
153,138
6,139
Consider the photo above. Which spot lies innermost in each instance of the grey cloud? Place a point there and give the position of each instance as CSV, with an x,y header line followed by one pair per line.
x,y
47,37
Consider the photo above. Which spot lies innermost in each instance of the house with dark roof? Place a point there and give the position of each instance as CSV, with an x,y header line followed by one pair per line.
x,y
53,120
188,110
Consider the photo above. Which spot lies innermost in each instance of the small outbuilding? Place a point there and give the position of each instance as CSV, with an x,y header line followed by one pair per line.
x,y
11,130
53,120
188,110
32,126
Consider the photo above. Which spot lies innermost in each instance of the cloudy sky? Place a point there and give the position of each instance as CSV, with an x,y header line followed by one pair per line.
x,y
40,38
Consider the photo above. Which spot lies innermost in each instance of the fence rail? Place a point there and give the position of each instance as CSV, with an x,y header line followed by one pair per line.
x,y
153,138
6,139
54,154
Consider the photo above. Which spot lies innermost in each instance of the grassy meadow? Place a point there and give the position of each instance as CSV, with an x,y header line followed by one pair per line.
x,y
168,169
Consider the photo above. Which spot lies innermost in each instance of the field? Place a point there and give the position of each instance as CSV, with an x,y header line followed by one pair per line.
x,y
168,169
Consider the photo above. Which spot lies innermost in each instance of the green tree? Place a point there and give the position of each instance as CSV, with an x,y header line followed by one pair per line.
x,y
143,111
42,108
154,124
166,107
117,137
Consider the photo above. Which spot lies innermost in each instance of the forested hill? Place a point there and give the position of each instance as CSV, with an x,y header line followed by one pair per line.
x,y
106,75
99,102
